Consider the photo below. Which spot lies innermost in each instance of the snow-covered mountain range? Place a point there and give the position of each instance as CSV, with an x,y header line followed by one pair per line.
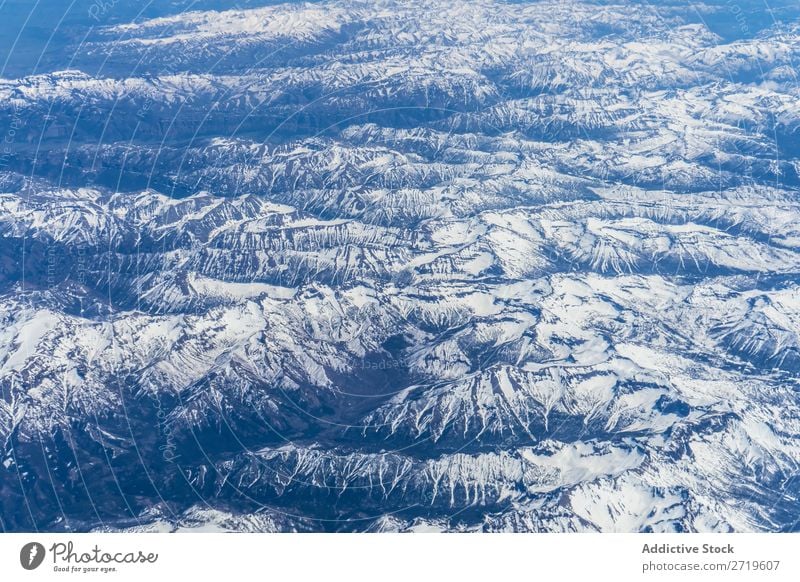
x,y
403,266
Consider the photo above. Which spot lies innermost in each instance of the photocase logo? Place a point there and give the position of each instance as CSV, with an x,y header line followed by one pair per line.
x,y
31,555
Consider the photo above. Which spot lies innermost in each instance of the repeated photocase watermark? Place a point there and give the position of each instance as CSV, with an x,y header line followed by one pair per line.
x,y
739,15
100,9
461,305
168,447
7,148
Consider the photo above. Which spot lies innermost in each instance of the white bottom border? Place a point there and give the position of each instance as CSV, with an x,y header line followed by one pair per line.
x,y
388,557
